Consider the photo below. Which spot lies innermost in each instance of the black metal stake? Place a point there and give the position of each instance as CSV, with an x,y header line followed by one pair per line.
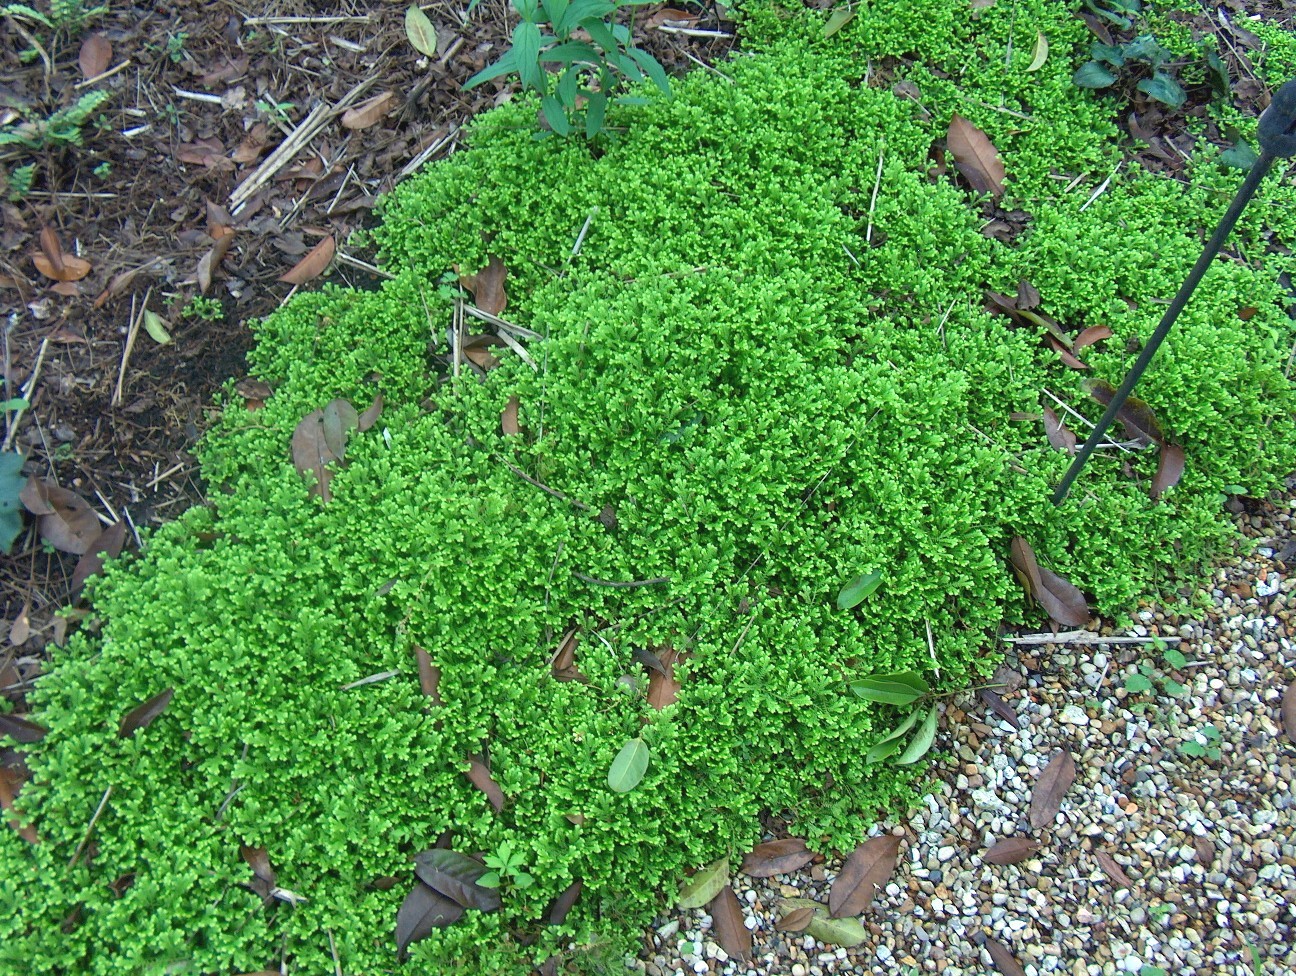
x,y
1277,139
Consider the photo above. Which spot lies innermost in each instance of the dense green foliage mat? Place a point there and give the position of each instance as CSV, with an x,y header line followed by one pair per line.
x,y
769,370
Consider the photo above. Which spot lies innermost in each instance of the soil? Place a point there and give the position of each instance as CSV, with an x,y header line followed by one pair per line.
x,y
165,203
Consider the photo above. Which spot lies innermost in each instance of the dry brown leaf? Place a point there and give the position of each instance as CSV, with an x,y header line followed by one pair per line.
x,y
727,917
313,264
423,910
143,715
259,861
319,440
796,920
1059,436
11,782
1169,469
54,264
1065,354
1003,959
253,144
487,286
109,544
509,418
20,728
975,156
1087,337
211,261
1000,707
663,686
429,675
562,665
1011,850
1136,417
1205,850
64,519
482,357
1112,869
1052,785
776,857
480,776
1062,601
1028,295
564,903
865,872
1289,712
20,629
671,18
370,111
96,55
366,420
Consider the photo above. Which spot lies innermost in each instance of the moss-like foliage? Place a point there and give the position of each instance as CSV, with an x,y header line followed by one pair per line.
x,y
765,402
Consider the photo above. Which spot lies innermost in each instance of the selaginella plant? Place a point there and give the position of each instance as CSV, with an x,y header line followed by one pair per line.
x,y
636,537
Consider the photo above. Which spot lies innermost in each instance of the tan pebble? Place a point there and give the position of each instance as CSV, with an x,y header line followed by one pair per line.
x,y
787,891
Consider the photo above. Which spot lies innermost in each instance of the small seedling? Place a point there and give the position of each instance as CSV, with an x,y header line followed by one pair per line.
x,y
1143,59
1205,742
506,869
1149,678
60,130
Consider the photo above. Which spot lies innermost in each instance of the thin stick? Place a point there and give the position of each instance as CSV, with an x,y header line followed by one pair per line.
x,y
543,487
103,75
513,344
712,68
877,185
580,238
520,331
655,581
131,334
25,391
343,258
1085,637
931,647
337,963
1102,188
254,21
371,679
93,820
691,31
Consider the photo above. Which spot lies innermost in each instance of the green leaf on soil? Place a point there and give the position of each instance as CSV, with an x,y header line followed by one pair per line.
x,y
629,766
422,35
902,688
858,590
704,885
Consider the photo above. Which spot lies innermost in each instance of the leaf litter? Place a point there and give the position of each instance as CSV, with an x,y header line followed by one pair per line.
x,y
1052,785
1061,600
776,857
864,873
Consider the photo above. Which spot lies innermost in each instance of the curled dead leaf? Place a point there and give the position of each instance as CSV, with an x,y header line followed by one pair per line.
x,y
429,675
975,157
64,519
1136,417
143,715
423,910
1003,959
487,286
1061,600
107,546
1169,470
95,56
1053,783
480,776
313,264
776,857
865,872
565,902
1059,436
1112,869
509,418
663,686
1011,850
210,262
796,920
1087,337
731,932
371,414
11,781
369,112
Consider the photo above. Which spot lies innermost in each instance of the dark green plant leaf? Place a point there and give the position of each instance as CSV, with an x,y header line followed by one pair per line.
x,y
1112,54
839,18
1091,74
526,50
1164,89
902,688
11,486
555,115
652,68
858,590
629,766
1136,417
699,889
890,744
456,875
595,110
922,741
505,65
423,910
1240,156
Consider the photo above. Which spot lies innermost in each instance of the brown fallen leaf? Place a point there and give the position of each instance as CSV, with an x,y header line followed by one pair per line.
x,y
429,675
663,686
1000,707
865,872
423,910
319,440
1028,295
1011,850
1087,337
796,920
143,715
1060,437
108,544
1136,417
64,519
210,262
564,903
371,414
254,392
456,875
1003,959
480,776
96,55
1065,354
54,264
509,418
727,917
258,860
20,629
776,857
975,157
11,782
1052,785
21,729
313,264
1062,601
1169,469
487,286
1289,712
671,18
369,112
1205,850
1112,869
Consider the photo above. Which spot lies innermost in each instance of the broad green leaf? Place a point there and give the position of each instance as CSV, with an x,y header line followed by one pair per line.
x,y
921,742
1174,657
1243,157
17,403
858,590
837,931
156,327
890,743
602,35
594,111
901,689
1040,54
629,766
422,35
567,88
1164,89
571,53
581,11
526,49
1146,49
627,65
556,10
698,890
555,115
838,19
505,65
1173,688
1137,683
652,68
1093,75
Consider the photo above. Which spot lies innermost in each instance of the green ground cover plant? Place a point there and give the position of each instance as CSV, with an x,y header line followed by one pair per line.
x,y
768,374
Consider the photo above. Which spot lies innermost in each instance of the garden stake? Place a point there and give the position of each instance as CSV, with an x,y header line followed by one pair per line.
x,y
1277,132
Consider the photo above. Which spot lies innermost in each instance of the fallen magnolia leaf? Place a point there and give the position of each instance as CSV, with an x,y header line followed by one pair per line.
x,y
1087,337
1011,850
370,111
95,56
21,729
858,590
825,928
156,327
54,264
1003,959
1052,785
975,157
1040,54
313,264
254,392
141,716
838,19
1065,354
1136,417
371,414
1062,601
1169,469
456,875
480,776
663,686
422,35
776,857
64,519
1028,296
671,17
795,920
563,663
564,903
1289,712
1000,707
429,675
423,910
728,921
211,261
320,439
509,418
1112,869
696,891
258,860
11,781
108,545
1060,438
487,286
628,768
20,629
865,872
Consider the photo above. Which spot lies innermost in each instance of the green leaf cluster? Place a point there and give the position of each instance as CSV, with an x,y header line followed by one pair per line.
x,y
768,399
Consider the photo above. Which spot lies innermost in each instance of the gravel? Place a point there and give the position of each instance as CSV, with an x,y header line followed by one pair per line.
x,y
1159,858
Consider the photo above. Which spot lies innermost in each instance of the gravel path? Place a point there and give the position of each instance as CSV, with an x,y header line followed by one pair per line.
x,y
1160,862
